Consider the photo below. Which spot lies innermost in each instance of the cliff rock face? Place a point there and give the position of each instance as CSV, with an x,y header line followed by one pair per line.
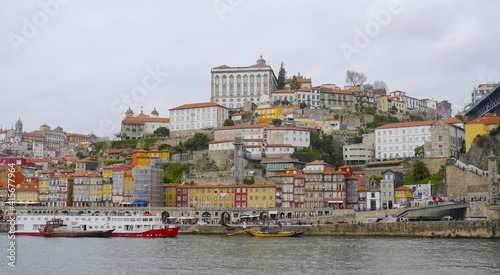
x,y
481,149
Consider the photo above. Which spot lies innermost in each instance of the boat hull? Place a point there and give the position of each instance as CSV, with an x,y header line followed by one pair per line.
x,y
155,233
275,235
79,234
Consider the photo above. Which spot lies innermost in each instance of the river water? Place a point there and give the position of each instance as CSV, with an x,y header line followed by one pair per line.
x,y
216,254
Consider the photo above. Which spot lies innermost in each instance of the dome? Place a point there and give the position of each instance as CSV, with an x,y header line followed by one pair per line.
x,y
261,60
155,113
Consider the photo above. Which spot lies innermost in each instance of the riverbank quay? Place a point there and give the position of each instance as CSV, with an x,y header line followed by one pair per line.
x,y
487,229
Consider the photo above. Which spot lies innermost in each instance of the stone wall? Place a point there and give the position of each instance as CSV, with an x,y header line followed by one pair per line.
x,y
454,229
434,164
460,182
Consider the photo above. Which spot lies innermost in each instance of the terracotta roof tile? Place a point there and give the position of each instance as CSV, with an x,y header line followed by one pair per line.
x,y
198,105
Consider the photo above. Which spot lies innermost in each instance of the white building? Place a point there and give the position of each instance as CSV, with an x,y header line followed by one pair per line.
x,y
399,140
233,86
357,153
481,91
138,126
261,140
411,103
197,116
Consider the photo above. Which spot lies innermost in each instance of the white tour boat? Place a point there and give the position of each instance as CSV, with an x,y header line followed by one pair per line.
x,y
149,226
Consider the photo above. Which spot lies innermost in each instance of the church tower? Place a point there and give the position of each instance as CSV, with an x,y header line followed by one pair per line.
x,y
129,113
261,61
19,128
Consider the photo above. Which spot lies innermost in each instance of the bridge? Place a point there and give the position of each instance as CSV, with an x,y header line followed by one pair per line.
x,y
489,103
455,210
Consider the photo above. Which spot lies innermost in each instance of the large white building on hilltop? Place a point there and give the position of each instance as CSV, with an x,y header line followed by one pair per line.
x,y
231,87
188,118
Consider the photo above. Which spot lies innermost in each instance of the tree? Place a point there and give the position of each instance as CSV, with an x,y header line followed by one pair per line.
x,y
162,131
281,77
164,146
80,155
276,121
460,117
418,171
197,142
394,108
295,85
419,151
277,102
303,105
228,122
379,85
355,78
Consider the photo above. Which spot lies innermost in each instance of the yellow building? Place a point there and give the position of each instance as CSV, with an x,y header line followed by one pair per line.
x,y
385,103
260,195
403,195
128,187
169,194
309,122
143,157
27,193
266,115
43,187
479,126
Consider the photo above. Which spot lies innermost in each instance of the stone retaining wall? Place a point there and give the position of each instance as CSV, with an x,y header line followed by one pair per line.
x,y
454,229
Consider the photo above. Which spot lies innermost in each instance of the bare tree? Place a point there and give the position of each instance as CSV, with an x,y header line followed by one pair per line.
x,y
380,84
355,78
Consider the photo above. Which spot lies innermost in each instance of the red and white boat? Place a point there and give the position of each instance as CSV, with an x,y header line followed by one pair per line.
x,y
146,226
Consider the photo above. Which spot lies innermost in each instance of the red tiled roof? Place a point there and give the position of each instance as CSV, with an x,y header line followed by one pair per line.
x,y
145,118
300,80
317,162
116,151
403,188
220,141
286,128
486,120
239,127
198,105
406,124
292,106
339,91
279,145
305,89
452,120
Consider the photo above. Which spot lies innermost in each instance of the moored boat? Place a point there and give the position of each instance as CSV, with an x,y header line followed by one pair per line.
x,y
267,233
57,228
146,226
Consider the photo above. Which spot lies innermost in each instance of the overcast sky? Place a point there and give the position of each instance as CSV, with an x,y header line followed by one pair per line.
x,y
80,64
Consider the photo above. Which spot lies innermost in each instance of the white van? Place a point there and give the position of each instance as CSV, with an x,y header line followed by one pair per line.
x,y
399,206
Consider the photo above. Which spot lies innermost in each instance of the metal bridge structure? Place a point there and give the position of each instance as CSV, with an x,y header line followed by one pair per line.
x,y
489,103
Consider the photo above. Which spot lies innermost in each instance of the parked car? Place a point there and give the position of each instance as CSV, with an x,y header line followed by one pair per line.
x,y
399,206
200,222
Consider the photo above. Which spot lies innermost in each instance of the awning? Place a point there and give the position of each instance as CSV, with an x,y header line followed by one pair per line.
x,y
172,218
139,203
273,212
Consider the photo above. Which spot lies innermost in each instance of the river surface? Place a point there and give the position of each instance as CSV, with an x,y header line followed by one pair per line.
x,y
216,254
